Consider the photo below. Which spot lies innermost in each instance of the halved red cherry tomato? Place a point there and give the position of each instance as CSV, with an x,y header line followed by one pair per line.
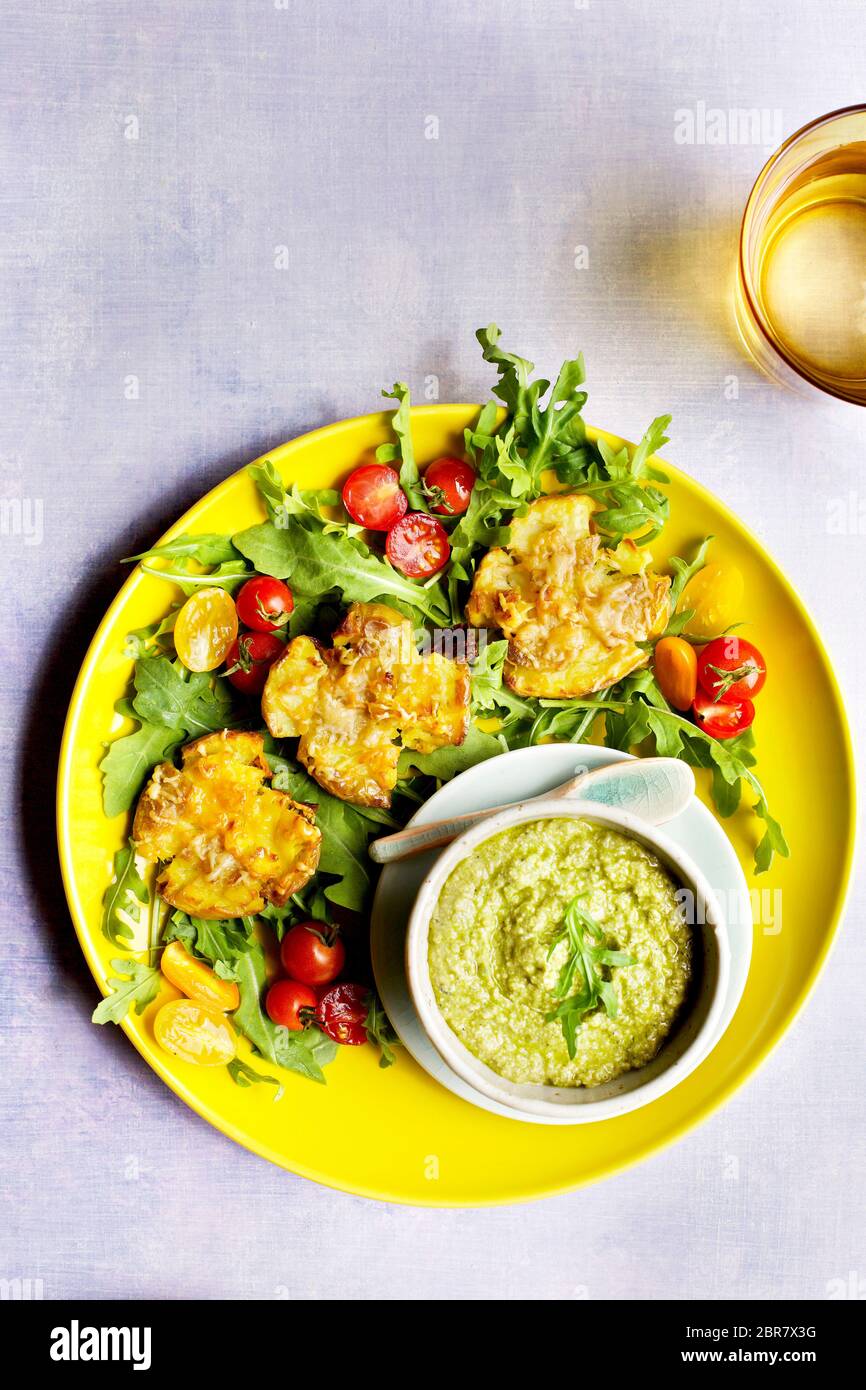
x,y
373,497
264,603
722,720
731,669
342,1013
287,1003
448,483
313,953
249,659
418,545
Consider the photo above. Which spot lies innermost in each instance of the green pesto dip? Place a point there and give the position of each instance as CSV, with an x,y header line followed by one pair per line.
x,y
495,976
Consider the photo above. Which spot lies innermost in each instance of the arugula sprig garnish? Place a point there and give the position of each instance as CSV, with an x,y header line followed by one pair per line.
x,y
588,956
402,450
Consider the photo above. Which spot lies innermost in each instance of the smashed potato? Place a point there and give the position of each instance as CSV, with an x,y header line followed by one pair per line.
x,y
353,704
228,842
572,610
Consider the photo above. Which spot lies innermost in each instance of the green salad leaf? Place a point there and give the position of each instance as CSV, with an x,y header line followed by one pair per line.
x,y
208,548
242,1074
380,1033
316,562
445,763
306,1052
126,900
171,705
683,571
128,761
637,710
489,691
220,942
134,984
167,694
403,450
346,832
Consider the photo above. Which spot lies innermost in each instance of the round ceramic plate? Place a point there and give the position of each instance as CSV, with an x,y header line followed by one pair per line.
x,y
397,1134
516,776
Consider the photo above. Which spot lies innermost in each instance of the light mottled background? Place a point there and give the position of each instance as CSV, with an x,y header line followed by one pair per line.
x,y
303,125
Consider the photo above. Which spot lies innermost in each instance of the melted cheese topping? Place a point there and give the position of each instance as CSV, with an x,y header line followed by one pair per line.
x,y
354,705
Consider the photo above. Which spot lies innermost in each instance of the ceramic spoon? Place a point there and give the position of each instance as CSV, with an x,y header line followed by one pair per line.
x,y
656,789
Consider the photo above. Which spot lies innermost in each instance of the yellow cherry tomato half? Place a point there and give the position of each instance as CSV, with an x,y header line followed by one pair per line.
x,y
196,980
205,628
195,1032
715,594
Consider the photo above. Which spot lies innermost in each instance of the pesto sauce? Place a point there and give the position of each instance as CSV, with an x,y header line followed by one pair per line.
x,y
494,973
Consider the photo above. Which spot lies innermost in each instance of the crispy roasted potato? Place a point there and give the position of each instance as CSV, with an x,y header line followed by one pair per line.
x,y
572,610
228,842
351,705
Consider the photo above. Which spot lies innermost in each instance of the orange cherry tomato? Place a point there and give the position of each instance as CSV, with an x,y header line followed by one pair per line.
x,y
675,665
205,628
195,1032
196,980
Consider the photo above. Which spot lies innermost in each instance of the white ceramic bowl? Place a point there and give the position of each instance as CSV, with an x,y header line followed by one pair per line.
x,y
695,1034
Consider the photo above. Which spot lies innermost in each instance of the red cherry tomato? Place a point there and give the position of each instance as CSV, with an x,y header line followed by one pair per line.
x,y
287,1003
342,1013
731,669
249,659
418,545
448,484
722,720
373,497
264,604
313,953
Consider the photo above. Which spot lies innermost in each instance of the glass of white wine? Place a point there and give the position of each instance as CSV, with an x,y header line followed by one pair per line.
x,y
801,284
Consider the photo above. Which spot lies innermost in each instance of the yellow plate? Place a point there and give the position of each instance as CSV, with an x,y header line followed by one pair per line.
x,y
396,1134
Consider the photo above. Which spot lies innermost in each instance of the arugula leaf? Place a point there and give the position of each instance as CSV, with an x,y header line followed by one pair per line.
x,y
134,984
536,437
208,548
318,562
270,485
587,953
128,761
346,832
219,942
171,705
640,711
684,570
445,763
145,641
306,1052
168,695
403,449
489,691
224,576
126,899
379,1032
242,1074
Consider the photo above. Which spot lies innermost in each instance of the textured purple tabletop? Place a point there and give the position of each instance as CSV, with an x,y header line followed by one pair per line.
x,y
226,222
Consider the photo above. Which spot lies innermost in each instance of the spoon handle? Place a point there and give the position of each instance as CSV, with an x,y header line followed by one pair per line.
x,y
420,837
656,789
